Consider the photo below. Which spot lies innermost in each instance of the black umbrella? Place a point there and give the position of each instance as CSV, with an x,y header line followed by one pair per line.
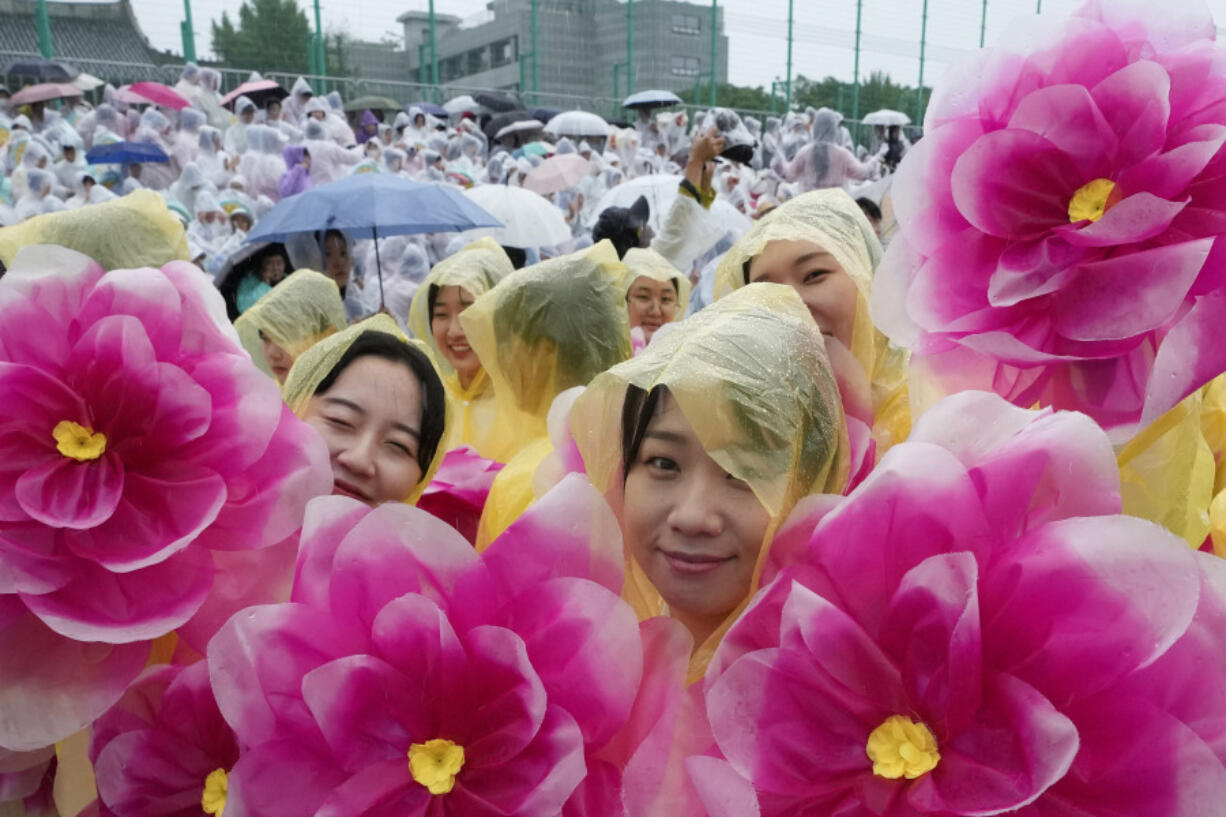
x,y
545,114
500,121
496,102
42,70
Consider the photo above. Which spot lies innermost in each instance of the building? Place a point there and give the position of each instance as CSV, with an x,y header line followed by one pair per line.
x,y
103,39
582,48
383,60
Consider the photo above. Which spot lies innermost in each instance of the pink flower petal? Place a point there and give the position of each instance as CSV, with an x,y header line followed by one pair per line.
x,y
1015,184
1031,269
1129,294
933,636
1189,356
724,793
570,532
30,561
393,550
1137,218
921,189
281,778
369,711
1137,759
205,327
933,508
65,493
1135,102
246,412
1063,462
266,501
51,686
546,772
98,605
377,789
1173,174
151,772
20,342
159,515
256,664
1066,116
571,627
327,521
144,294
1080,602
505,701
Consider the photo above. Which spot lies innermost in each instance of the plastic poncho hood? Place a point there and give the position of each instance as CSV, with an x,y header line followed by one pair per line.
x,y
297,313
317,362
751,375
477,268
647,263
136,230
832,219
544,329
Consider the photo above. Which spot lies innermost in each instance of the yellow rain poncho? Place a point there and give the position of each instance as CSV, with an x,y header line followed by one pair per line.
x,y
314,365
477,269
304,308
136,230
832,219
540,331
751,376
645,263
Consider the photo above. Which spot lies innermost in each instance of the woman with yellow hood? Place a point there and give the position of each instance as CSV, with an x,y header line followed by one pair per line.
x,y
703,444
543,329
375,398
293,316
822,246
657,293
434,316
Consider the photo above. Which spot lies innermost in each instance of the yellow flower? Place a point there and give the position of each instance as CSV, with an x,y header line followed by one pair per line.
x,y
435,764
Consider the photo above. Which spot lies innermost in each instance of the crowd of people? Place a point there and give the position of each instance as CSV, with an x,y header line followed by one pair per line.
x,y
850,481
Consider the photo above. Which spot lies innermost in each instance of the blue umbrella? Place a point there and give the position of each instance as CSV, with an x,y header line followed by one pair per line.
x,y
125,153
368,205
430,108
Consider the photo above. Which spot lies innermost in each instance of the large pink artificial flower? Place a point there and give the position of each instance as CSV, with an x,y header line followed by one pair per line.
x,y
976,631
163,750
139,440
1059,222
458,490
410,676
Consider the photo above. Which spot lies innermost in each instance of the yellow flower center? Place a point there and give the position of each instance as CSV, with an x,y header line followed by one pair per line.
x,y
213,801
1090,201
901,747
77,442
435,764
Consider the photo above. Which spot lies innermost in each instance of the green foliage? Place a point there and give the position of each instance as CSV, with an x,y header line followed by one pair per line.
x,y
727,95
879,91
271,35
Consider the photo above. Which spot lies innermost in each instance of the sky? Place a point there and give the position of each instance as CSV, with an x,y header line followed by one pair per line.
x,y
823,30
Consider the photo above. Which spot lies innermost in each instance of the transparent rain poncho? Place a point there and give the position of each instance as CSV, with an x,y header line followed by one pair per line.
x,y
317,362
476,268
833,220
136,230
751,376
543,329
647,263
297,313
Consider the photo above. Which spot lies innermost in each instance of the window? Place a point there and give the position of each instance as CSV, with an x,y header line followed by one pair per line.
x,y
684,66
687,24
502,52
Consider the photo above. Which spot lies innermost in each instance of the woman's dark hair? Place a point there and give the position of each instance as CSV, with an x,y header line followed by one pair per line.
x,y
373,343
518,257
251,265
637,410
869,208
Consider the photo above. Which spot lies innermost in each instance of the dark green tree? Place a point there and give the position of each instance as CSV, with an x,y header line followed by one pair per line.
x,y
271,35
727,95
878,91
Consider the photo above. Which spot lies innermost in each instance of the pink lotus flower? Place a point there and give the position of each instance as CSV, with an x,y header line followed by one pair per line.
x,y
976,632
457,493
1060,220
139,441
409,675
164,748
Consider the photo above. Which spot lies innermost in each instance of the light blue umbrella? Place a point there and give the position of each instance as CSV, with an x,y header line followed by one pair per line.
x,y
371,205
